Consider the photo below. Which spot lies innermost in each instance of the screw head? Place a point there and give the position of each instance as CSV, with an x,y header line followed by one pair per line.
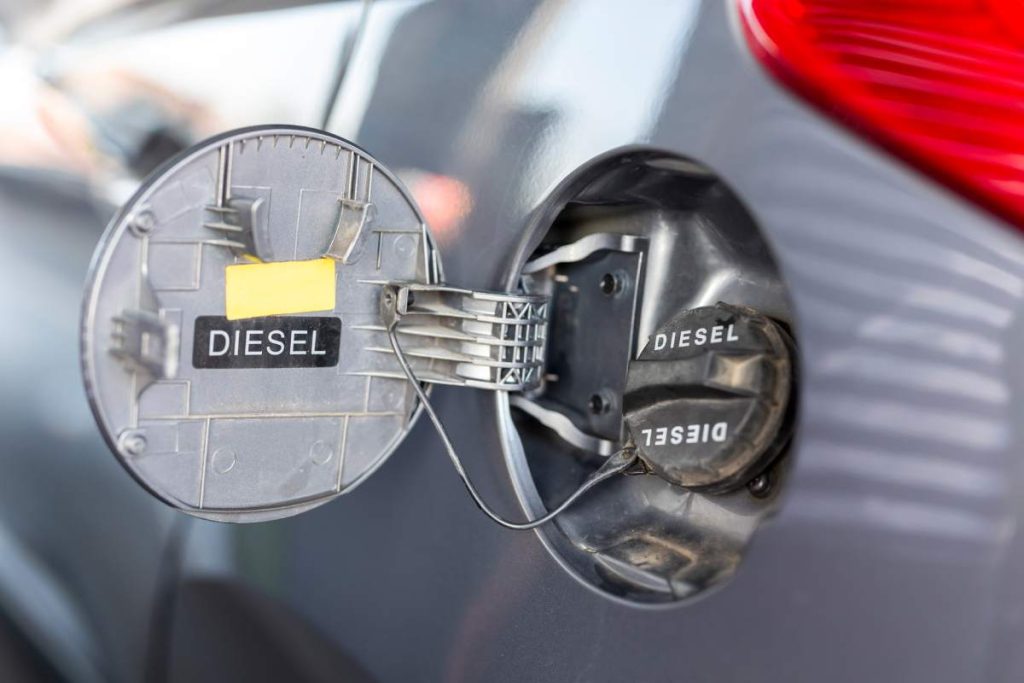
x,y
132,442
613,284
143,223
608,284
599,403
760,486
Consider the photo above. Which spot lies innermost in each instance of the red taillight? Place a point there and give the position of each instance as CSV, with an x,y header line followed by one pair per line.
x,y
938,82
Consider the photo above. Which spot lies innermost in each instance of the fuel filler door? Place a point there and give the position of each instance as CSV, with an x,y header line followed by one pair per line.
x,y
264,318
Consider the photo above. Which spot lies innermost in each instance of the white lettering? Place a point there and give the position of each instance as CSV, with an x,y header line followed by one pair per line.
x,y
692,433
253,342
275,342
718,431
677,435
256,346
312,344
704,432
221,334
298,342
716,334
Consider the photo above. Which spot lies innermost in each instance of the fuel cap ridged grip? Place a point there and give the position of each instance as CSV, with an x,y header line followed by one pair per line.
x,y
707,400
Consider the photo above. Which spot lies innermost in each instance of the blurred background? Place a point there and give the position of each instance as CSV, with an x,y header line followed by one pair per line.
x,y
93,95
896,555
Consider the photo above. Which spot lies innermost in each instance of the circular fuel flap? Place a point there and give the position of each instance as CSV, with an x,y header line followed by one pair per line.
x,y
706,402
232,339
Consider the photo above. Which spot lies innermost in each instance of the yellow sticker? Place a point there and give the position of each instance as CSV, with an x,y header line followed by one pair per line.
x,y
252,290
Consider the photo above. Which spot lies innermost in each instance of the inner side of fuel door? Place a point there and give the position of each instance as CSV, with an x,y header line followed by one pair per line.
x,y
644,249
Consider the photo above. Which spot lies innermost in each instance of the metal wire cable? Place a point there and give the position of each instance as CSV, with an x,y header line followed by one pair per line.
x,y
616,463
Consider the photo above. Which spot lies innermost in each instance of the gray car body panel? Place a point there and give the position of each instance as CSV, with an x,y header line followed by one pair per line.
x,y
889,559
894,555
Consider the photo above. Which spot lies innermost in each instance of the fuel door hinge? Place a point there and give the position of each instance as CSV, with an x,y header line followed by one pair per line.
x,y
485,340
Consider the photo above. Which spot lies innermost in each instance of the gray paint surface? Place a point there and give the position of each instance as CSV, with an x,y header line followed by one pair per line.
x,y
895,554
887,558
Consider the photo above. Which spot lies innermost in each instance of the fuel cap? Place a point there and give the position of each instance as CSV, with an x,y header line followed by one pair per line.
x,y
707,401
232,334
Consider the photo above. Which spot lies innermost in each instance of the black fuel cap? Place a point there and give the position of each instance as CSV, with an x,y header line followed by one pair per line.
x,y
707,401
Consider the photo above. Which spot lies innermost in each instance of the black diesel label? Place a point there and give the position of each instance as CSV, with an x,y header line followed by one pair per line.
x,y
275,342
